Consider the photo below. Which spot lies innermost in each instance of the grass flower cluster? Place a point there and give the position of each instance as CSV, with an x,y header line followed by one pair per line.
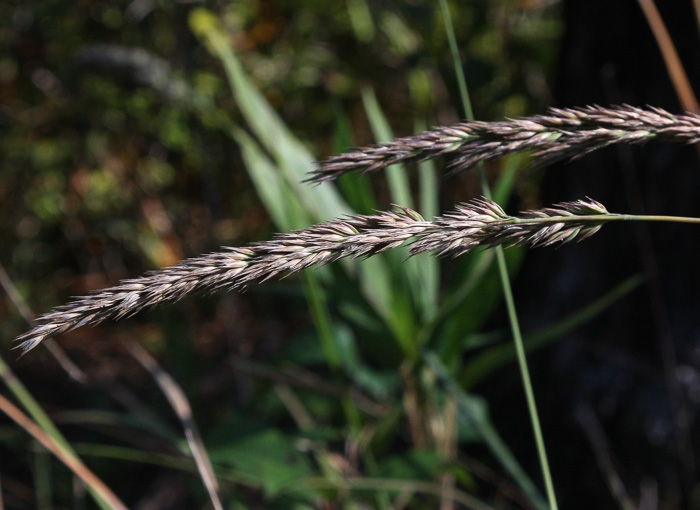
x,y
563,134
480,222
379,394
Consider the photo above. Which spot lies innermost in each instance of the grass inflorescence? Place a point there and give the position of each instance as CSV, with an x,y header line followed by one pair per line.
x,y
480,222
562,134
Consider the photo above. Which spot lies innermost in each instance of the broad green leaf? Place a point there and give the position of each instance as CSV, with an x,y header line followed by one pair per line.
x,y
267,457
414,464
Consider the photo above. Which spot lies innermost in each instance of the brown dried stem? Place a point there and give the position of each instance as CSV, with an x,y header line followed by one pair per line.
x,y
62,453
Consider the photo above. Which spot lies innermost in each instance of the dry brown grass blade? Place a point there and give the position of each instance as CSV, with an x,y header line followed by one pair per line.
x,y
69,460
178,401
689,102
294,406
675,69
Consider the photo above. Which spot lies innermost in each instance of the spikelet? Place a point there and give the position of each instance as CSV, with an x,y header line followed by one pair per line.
x,y
479,222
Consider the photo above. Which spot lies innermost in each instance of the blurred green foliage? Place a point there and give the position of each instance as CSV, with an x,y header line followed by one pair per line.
x,y
137,133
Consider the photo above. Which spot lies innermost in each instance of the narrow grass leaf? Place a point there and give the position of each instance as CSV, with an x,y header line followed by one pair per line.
x,y
487,362
375,277
399,186
139,424
42,478
361,20
406,272
503,188
322,202
480,302
356,189
321,318
429,267
68,458
22,394
270,187
292,157
473,274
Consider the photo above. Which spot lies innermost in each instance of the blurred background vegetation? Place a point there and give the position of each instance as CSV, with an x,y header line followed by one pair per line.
x,y
134,134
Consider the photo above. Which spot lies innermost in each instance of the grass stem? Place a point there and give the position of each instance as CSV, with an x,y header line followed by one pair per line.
x,y
505,280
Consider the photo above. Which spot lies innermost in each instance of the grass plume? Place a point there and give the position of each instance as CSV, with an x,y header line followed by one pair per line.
x,y
562,134
480,222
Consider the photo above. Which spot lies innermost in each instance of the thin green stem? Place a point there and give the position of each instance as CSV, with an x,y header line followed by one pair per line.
x,y
642,217
516,331
601,218
527,383
517,337
456,61
505,280
522,359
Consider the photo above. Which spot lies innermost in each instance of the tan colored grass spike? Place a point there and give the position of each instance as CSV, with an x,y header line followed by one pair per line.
x,y
562,134
480,222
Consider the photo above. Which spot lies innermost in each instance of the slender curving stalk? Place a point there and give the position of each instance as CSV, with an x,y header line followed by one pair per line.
x,y
503,273
480,222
